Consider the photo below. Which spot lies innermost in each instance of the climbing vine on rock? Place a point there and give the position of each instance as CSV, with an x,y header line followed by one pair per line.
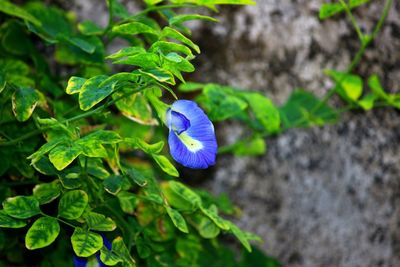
x,y
89,154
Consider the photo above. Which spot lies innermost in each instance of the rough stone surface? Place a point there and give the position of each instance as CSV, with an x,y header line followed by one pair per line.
x,y
325,196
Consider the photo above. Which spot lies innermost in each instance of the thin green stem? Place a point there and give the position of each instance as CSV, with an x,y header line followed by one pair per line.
x,y
368,40
58,219
364,43
352,20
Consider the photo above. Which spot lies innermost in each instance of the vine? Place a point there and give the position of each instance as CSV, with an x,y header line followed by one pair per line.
x,y
87,150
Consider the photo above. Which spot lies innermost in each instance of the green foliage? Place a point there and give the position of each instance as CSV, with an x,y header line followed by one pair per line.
x,y
86,243
86,149
72,204
21,207
42,233
329,9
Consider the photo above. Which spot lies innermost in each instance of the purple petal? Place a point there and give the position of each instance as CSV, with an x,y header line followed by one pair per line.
x,y
79,261
106,242
177,121
197,146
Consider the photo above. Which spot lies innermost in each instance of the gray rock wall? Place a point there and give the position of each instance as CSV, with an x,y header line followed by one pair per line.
x,y
325,196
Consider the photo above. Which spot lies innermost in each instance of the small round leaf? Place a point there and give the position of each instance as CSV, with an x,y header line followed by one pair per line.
x,y
72,204
9,222
42,233
46,192
21,207
85,243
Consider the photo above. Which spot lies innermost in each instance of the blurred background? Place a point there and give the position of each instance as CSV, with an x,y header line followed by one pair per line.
x,y
326,196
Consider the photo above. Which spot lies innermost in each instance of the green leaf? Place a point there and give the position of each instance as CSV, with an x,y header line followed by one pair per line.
x,y
113,184
15,39
152,2
167,47
67,53
146,147
144,60
135,107
117,9
88,27
21,207
127,51
120,248
212,214
91,94
142,247
92,149
174,34
99,222
206,227
240,236
16,72
178,19
24,101
47,192
108,257
137,176
177,219
54,24
73,204
44,149
367,102
42,233
70,180
63,155
44,166
153,197
96,168
159,75
133,28
16,11
376,87
303,109
85,243
253,146
83,44
349,86
75,85
103,136
9,222
186,193
329,9
221,102
177,64
165,165
265,111
55,129
190,87
127,201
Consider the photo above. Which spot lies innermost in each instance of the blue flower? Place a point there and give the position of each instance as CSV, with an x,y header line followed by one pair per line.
x,y
191,138
92,261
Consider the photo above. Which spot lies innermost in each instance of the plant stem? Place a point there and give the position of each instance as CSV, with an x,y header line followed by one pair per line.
x,y
364,43
58,219
375,32
353,20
